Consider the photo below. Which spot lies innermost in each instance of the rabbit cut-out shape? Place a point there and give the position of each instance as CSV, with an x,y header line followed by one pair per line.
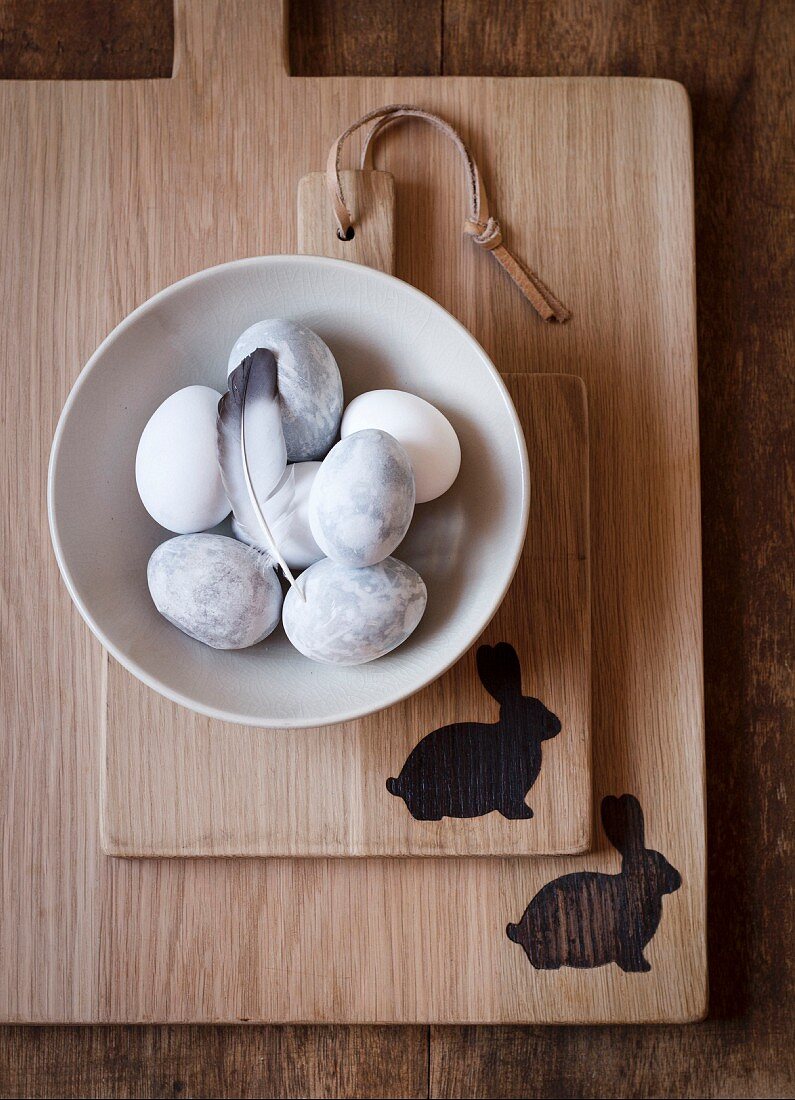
x,y
471,768
588,919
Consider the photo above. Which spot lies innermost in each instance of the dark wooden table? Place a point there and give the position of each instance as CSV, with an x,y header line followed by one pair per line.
x,y
735,58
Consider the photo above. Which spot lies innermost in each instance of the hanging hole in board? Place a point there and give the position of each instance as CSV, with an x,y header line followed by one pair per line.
x,y
348,235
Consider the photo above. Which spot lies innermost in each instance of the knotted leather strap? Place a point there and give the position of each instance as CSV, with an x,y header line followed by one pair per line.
x,y
479,224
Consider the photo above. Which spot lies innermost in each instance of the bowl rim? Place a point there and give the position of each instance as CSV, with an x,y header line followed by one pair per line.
x,y
153,682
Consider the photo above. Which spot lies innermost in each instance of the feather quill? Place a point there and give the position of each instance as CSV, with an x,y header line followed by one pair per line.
x,y
253,457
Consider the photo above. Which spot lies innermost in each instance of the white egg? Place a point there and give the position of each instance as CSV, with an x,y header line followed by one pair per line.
x,y
362,500
176,465
310,386
296,543
427,435
350,616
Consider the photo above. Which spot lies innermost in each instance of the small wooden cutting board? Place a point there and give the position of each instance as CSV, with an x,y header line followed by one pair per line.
x,y
199,787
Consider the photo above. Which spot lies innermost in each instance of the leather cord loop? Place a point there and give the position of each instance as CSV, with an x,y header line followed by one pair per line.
x,y
479,225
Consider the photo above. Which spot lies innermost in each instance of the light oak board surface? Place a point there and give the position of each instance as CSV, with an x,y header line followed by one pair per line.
x,y
111,191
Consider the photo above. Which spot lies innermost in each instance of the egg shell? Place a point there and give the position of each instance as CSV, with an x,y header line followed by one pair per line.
x,y
351,616
296,545
362,499
426,434
176,465
310,386
215,589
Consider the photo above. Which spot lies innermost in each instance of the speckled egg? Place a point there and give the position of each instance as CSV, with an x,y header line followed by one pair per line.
x,y
310,386
293,534
351,616
362,500
215,589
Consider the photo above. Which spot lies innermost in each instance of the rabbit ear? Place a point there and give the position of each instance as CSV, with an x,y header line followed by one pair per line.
x,y
623,823
500,671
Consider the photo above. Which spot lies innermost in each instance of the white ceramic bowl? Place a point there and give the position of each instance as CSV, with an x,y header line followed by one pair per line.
x,y
384,334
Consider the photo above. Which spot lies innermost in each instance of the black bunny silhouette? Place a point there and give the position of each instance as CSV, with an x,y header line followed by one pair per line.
x,y
471,768
588,919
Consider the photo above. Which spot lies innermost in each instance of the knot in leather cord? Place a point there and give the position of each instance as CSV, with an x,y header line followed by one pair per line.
x,y
488,235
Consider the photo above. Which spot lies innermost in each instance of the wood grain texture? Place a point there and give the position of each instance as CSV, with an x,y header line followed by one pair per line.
x,y
735,63
372,202
355,940
355,38
85,39
177,784
142,1062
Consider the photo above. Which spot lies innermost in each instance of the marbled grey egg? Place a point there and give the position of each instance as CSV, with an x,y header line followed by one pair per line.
x,y
362,499
351,616
310,386
215,589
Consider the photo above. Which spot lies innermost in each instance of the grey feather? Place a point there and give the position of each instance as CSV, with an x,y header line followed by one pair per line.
x,y
252,454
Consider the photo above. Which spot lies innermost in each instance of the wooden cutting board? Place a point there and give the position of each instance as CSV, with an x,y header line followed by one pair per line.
x,y
113,190
197,787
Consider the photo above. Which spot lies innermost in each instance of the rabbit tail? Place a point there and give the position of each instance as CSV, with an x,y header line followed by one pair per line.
x,y
393,786
512,932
